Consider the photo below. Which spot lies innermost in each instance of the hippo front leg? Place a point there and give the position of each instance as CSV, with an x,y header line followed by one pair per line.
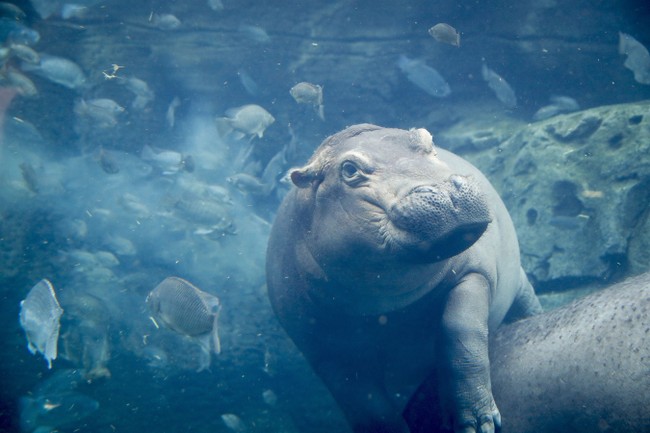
x,y
465,340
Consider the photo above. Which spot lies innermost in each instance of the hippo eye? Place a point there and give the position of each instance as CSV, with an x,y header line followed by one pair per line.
x,y
351,173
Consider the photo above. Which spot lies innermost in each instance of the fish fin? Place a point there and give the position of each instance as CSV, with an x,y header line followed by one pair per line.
x,y
224,127
321,112
216,342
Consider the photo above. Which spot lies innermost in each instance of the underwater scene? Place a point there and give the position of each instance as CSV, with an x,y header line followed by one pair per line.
x,y
180,253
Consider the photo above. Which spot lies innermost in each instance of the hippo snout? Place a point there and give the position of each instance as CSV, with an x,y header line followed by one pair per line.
x,y
452,214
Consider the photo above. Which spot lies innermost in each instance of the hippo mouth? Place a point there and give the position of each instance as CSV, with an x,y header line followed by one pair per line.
x,y
435,222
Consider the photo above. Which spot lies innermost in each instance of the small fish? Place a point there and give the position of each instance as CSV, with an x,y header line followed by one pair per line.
x,y
120,245
25,53
40,313
445,33
248,184
73,10
248,83
251,120
183,308
102,112
559,105
23,85
107,162
215,5
499,86
424,76
638,58
143,94
11,11
201,211
12,31
59,70
269,397
170,116
167,161
29,176
308,93
165,21
233,422
255,33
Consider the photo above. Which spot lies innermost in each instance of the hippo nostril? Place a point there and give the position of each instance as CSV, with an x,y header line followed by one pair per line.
x,y
424,189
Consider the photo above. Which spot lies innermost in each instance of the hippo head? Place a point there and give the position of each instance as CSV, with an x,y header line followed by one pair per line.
x,y
384,195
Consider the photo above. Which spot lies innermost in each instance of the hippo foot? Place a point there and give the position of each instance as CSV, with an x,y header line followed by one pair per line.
x,y
483,424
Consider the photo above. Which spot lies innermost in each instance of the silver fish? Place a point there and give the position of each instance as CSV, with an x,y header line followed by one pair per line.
x,y
233,422
143,94
167,161
23,85
100,112
58,70
73,10
499,86
165,21
638,58
308,93
170,116
559,105
183,308
443,32
251,120
40,313
255,33
216,5
23,52
424,76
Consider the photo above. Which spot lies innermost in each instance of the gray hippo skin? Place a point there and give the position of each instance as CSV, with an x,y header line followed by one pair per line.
x,y
390,261
584,367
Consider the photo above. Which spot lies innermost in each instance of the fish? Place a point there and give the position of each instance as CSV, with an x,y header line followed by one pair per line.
x,y
143,94
40,315
101,112
443,32
638,58
55,402
499,86
58,70
233,422
170,115
308,93
248,83
25,53
201,211
255,33
269,397
85,340
247,183
248,120
180,306
12,31
120,245
216,5
46,413
165,21
559,105
23,85
424,76
30,177
167,161
73,10
108,162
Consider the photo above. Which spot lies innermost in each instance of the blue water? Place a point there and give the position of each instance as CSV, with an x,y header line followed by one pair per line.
x,y
81,206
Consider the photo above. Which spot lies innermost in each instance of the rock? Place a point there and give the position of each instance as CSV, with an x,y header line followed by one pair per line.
x,y
578,189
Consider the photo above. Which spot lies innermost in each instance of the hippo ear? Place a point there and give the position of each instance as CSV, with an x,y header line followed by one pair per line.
x,y
302,177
